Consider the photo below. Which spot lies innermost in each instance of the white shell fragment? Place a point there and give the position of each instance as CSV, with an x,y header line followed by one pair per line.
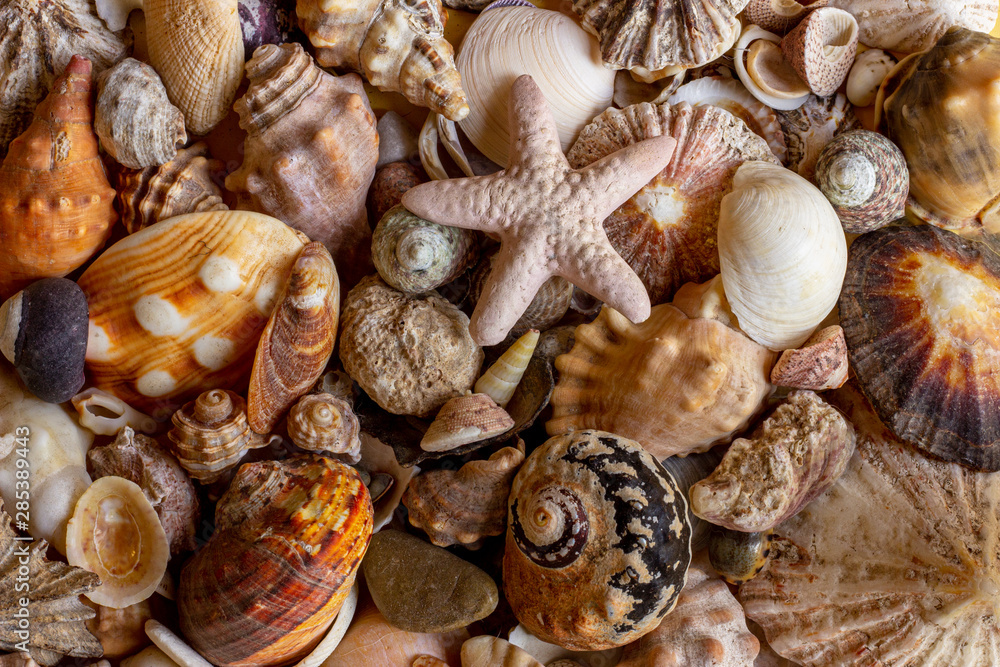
x,y
869,70
175,647
105,414
791,93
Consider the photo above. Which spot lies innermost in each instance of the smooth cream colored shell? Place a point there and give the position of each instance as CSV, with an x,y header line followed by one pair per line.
x,y
563,60
501,379
783,254
753,84
869,70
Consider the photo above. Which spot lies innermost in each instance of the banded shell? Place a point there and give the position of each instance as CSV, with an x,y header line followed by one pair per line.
x,y
464,420
687,471
811,126
869,70
667,230
656,39
298,340
739,556
821,49
550,304
821,362
762,68
289,538
415,255
116,534
501,379
105,414
598,542
909,27
324,423
177,308
196,46
137,124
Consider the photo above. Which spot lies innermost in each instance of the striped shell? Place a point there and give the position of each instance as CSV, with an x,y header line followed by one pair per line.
x,y
324,423
821,49
778,16
501,379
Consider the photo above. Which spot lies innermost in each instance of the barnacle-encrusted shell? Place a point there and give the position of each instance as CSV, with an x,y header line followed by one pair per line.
x,y
667,230
196,46
137,124
289,538
675,384
464,420
177,308
821,49
598,542
464,506
116,534
501,379
864,176
550,304
410,354
415,255
324,423
919,312
811,126
910,26
105,414
896,564
821,362
794,456
657,38
739,556
869,70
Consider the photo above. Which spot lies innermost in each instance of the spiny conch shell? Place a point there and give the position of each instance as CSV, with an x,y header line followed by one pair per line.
x,y
688,470
145,462
794,456
730,95
762,68
550,304
298,340
658,38
211,434
667,230
310,152
864,176
324,423
415,255
707,627
821,362
56,625
39,38
466,506
821,49
561,57
116,534
869,70
501,379
105,414
628,379
137,124
895,564
56,205
289,538
486,651
398,45
783,254
464,420
777,16
598,543
196,46
811,126
177,308
738,556
182,185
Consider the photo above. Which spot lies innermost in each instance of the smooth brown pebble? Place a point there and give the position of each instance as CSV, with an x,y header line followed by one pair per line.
x,y
387,189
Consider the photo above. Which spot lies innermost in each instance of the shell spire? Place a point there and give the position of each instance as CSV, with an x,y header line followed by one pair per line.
x,y
282,79
502,378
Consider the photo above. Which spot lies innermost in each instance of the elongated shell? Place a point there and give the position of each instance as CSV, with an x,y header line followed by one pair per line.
x,y
783,254
821,49
501,379
908,26
324,423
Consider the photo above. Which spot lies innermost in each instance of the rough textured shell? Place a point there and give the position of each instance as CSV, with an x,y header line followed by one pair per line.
x,y
501,379
909,26
549,305
135,120
289,538
324,423
409,354
821,49
55,200
894,565
178,308
310,152
196,46
464,420
657,38
667,230
626,378
105,414
782,253
211,434
794,456
811,126
821,362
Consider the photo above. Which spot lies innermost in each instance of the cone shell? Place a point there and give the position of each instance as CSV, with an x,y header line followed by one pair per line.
x,y
196,46
310,153
289,538
501,379
177,308
811,126
598,543
915,26
324,423
821,49
298,339
464,420
821,362
55,200
634,380
667,231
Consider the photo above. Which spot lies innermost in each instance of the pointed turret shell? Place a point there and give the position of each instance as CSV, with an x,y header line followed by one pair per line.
x,y
501,379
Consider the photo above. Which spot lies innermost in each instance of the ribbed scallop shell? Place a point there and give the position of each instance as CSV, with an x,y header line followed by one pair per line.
x,y
910,26
501,379
821,49
896,564
177,308
298,340
196,46
289,538
598,543
464,420
658,38
324,423
667,231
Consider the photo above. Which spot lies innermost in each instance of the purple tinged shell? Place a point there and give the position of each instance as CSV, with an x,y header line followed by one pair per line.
x,y
266,22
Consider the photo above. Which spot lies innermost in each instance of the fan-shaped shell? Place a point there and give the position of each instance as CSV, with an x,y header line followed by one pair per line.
x,y
324,423
289,538
598,542
783,254
908,26
658,38
667,231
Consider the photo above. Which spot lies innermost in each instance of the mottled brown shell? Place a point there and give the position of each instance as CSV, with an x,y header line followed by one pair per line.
x,y
598,541
325,423
821,363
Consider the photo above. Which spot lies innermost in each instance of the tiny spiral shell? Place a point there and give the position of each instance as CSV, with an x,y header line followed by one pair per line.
x,y
322,422
501,379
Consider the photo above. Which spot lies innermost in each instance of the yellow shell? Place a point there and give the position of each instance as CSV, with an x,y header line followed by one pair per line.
x,y
501,379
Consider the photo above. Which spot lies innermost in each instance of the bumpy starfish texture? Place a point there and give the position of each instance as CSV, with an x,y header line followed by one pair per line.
x,y
548,216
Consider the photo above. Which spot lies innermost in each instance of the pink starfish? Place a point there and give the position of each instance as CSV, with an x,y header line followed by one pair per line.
x,y
548,216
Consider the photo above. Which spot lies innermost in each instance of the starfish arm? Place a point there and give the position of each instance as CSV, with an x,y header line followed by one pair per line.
x,y
602,273
616,177
533,134
457,202
512,284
